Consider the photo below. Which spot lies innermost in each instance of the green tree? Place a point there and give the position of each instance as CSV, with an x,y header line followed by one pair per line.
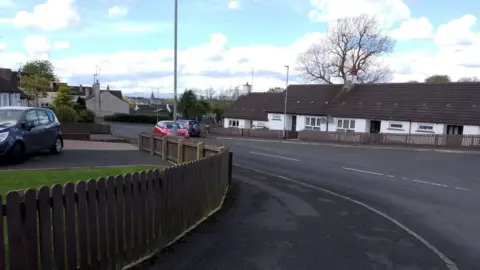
x,y
36,76
438,79
188,103
276,89
41,68
35,86
203,107
130,102
64,97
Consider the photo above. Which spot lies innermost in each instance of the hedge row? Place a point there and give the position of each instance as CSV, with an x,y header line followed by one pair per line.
x,y
136,118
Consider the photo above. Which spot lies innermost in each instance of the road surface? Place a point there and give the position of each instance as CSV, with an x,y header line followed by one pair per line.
x,y
435,195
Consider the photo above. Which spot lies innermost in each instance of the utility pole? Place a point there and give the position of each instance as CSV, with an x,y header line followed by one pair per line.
x,y
285,106
175,35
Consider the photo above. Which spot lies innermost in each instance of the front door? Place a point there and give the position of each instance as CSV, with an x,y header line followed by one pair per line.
x,y
46,129
294,123
375,126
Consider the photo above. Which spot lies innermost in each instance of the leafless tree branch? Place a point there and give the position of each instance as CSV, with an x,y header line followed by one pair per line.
x,y
352,42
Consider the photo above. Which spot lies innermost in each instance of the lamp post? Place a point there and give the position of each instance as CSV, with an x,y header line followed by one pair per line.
x,y
285,106
174,131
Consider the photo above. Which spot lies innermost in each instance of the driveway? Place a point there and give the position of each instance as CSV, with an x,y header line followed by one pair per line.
x,y
89,154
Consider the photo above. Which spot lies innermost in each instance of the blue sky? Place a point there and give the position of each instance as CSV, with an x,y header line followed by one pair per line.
x,y
220,42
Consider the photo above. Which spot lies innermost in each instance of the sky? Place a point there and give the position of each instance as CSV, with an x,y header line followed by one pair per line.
x,y
221,42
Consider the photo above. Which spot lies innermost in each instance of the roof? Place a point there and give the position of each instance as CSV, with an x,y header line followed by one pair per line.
x,y
254,106
9,82
116,93
450,103
308,99
147,108
19,108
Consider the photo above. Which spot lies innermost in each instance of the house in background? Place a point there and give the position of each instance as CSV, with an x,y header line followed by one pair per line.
x,y
251,111
152,109
400,108
76,92
106,102
10,93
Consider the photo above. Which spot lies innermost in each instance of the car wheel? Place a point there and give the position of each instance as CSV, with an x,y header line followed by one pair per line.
x,y
57,147
17,153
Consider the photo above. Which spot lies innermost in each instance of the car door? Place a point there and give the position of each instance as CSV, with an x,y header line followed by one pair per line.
x,y
31,137
46,130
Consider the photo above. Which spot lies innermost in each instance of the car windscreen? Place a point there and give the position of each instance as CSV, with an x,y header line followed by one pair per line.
x,y
10,117
171,125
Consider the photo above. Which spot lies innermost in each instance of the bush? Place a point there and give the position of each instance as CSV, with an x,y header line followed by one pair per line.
x,y
51,108
79,107
66,114
136,118
86,116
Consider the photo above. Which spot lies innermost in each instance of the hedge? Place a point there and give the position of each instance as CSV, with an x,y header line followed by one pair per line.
x,y
136,118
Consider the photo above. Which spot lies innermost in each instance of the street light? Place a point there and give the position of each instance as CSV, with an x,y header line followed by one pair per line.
x,y
285,106
174,131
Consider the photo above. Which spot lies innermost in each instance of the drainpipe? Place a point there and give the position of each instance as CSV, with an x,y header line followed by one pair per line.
x,y
409,130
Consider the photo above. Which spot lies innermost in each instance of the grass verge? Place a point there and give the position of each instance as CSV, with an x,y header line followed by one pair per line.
x,y
23,179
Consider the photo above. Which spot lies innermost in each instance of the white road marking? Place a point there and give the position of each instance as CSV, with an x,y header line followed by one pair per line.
x,y
464,189
404,178
450,264
274,156
362,171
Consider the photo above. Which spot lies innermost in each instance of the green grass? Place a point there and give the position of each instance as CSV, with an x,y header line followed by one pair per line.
x,y
23,179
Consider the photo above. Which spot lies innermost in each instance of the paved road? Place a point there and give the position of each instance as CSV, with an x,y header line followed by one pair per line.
x,y
437,195
268,223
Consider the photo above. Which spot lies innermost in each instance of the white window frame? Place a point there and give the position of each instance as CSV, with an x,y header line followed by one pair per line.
x,y
317,122
395,125
346,125
426,127
233,123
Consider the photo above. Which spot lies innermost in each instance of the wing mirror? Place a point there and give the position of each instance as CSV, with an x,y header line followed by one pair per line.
x,y
28,125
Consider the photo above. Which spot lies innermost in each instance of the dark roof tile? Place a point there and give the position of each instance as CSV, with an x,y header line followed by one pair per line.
x,y
254,106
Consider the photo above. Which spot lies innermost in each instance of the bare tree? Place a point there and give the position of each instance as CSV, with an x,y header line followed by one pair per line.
x,y
469,79
352,43
209,93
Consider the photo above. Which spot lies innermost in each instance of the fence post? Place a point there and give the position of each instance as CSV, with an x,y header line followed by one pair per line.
x,y
152,144
180,151
200,150
164,148
230,167
140,137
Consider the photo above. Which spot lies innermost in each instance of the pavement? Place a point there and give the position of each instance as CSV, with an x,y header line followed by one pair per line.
x,y
433,196
89,154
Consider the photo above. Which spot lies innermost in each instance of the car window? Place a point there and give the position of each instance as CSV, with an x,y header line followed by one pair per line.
x,y
31,117
169,126
51,116
192,123
43,118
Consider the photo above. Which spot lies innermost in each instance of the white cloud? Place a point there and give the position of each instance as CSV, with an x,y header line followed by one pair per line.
x,y
3,46
61,45
414,29
234,4
117,11
219,64
458,32
50,16
387,11
39,46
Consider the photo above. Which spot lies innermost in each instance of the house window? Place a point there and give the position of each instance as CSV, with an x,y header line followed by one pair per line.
x,y
313,123
346,125
425,127
396,125
233,123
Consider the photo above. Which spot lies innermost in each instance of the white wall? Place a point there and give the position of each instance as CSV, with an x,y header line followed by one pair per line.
x,y
411,128
110,105
361,125
7,99
471,130
276,121
50,97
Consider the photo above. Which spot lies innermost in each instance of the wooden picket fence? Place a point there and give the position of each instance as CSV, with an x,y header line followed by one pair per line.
x,y
109,223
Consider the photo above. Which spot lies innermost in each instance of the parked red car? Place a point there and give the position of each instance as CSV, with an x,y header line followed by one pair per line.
x,y
166,128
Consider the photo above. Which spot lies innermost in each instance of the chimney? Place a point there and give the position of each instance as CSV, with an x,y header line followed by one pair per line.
x,y
247,88
96,94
